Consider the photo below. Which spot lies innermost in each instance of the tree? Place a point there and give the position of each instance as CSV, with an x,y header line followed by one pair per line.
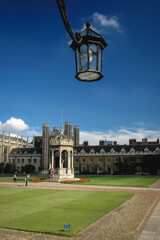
x,y
2,167
9,168
38,142
29,168
151,164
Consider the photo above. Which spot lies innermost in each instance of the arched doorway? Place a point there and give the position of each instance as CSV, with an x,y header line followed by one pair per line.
x,y
65,159
56,159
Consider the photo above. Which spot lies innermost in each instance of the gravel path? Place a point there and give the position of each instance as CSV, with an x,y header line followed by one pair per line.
x,y
124,223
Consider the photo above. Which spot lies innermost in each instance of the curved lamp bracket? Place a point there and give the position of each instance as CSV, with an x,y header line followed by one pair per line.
x,y
64,15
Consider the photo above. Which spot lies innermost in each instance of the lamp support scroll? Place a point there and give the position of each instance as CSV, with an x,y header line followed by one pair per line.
x,y
64,15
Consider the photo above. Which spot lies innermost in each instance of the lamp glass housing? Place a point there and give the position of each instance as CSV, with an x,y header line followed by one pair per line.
x,y
89,62
89,55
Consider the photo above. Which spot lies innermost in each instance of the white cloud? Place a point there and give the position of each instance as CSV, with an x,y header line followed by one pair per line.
x,y
108,22
16,126
13,125
122,135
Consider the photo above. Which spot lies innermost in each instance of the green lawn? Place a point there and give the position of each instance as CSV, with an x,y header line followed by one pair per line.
x,y
48,210
10,174
130,181
20,179
10,179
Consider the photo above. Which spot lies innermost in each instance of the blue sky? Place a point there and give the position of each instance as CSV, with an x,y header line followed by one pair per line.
x,y
37,69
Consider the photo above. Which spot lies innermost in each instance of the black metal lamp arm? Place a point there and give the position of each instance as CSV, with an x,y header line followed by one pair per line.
x,y
64,15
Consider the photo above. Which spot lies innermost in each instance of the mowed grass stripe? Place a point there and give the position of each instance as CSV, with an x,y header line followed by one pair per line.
x,y
128,181
48,210
34,201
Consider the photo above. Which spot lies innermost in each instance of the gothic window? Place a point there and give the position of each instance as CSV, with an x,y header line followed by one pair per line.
x,y
35,160
83,160
100,160
76,169
83,169
91,160
139,160
76,160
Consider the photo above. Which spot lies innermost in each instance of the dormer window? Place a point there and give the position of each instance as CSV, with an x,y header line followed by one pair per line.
x,y
123,150
75,151
35,152
102,151
25,152
146,150
82,151
92,151
157,150
112,151
132,150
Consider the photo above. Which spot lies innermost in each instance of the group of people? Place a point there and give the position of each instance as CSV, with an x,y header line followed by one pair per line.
x,y
26,178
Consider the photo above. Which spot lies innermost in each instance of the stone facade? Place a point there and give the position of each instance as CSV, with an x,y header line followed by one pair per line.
x,y
65,156
7,143
24,156
68,129
45,148
76,135
105,158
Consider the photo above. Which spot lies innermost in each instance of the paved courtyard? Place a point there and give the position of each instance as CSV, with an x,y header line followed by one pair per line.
x,y
127,222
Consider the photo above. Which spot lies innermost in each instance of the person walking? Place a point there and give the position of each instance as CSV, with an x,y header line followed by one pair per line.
x,y
27,179
15,178
52,173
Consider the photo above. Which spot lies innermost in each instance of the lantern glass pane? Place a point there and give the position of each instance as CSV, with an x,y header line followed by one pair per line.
x,y
100,60
93,57
83,58
77,59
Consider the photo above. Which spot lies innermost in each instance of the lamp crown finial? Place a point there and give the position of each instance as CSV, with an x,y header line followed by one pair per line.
x,y
88,25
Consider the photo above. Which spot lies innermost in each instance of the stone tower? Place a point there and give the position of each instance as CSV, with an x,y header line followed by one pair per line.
x,y
68,129
45,148
76,135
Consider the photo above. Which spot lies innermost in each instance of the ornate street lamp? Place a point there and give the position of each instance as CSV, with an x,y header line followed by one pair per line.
x,y
88,47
